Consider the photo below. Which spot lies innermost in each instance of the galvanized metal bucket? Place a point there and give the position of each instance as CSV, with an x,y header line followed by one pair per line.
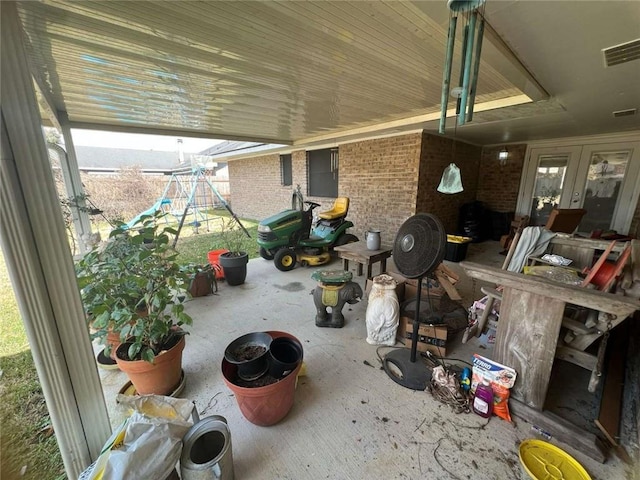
x,y
206,451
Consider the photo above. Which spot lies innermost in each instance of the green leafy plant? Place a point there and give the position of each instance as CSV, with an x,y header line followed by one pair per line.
x,y
233,237
549,194
193,270
133,285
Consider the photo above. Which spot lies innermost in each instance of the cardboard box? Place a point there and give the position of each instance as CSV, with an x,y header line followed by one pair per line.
x,y
411,288
400,285
432,338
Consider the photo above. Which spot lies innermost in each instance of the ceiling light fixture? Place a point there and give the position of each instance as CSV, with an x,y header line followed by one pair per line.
x,y
503,155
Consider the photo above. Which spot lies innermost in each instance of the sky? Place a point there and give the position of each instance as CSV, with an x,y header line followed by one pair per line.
x,y
165,143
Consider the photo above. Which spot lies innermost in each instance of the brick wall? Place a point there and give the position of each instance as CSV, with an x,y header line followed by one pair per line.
x,y
436,154
256,191
255,186
498,184
379,177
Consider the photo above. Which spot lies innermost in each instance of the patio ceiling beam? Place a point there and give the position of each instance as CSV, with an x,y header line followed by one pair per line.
x,y
529,85
40,265
409,123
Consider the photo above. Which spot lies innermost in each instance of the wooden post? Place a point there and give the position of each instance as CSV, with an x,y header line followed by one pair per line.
x,y
528,343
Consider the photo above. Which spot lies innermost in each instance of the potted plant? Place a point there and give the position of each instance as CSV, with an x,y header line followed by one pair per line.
x,y
202,279
234,262
549,196
132,285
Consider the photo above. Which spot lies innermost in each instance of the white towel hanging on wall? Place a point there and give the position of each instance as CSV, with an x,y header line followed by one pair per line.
x,y
451,182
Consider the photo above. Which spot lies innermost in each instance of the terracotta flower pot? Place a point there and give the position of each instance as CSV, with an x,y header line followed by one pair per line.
x,y
160,377
113,340
263,405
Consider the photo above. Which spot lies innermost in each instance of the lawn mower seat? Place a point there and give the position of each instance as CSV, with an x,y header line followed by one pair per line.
x,y
339,209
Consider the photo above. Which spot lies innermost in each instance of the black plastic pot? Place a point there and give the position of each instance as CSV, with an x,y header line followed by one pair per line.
x,y
285,355
250,353
234,266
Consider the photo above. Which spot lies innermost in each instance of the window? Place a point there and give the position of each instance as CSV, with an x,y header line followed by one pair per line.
x,y
322,173
286,176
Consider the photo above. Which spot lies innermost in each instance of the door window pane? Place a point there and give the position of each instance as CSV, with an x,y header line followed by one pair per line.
x,y
549,181
604,182
322,170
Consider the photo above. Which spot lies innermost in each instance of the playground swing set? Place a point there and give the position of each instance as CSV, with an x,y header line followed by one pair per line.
x,y
190,195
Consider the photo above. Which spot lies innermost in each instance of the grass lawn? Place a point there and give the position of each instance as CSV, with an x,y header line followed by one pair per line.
x,y
193,248
26,436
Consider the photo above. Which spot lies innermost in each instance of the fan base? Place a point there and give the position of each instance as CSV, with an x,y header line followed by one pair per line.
x,y
413,375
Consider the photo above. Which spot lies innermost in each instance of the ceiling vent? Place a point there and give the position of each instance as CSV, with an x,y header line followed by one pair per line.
x,y
623,53
624,113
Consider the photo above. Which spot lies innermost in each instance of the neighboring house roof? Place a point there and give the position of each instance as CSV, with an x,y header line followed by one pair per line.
x,y
104,159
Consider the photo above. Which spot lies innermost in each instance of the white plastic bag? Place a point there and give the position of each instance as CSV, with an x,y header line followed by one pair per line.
x,y
451,181
148,444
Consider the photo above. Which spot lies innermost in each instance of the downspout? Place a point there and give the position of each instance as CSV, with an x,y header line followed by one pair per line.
x,y
75,192
40,266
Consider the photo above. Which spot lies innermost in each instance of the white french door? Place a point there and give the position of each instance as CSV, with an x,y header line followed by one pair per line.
x,y
601,178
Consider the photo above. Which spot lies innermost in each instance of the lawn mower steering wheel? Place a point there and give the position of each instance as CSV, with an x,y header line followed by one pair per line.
x,y
312,205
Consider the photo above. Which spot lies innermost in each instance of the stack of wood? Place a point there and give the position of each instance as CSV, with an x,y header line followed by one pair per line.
x,y
517,225
447,279
629,284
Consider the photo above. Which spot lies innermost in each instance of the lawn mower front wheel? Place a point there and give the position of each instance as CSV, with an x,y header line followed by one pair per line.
x,y
285,259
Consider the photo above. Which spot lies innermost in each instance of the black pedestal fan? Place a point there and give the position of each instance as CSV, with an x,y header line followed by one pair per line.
x,y
418,249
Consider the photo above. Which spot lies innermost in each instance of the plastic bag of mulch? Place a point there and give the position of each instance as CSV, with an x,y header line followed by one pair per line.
x,y
148,443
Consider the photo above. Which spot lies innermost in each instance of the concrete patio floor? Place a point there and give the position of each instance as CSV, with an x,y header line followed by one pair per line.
x,y
349,419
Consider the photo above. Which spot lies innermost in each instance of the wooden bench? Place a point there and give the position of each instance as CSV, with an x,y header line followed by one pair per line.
x,y
359,253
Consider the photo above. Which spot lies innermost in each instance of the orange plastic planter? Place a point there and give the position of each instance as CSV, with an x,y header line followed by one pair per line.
x,y
263,405
214,260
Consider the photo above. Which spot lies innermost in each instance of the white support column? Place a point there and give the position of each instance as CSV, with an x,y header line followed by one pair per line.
x,y
73,185
40,264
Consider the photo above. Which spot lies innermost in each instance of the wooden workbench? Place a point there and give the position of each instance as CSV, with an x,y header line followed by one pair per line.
x,y
583,251
530,319
531,315
359,253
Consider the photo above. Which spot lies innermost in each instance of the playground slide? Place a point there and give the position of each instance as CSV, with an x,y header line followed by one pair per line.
x,y
156,206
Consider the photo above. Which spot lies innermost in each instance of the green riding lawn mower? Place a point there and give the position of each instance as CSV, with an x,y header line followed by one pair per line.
x,y
290,237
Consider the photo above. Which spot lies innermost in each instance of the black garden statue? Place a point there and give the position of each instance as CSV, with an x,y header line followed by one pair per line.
x,y
334,289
